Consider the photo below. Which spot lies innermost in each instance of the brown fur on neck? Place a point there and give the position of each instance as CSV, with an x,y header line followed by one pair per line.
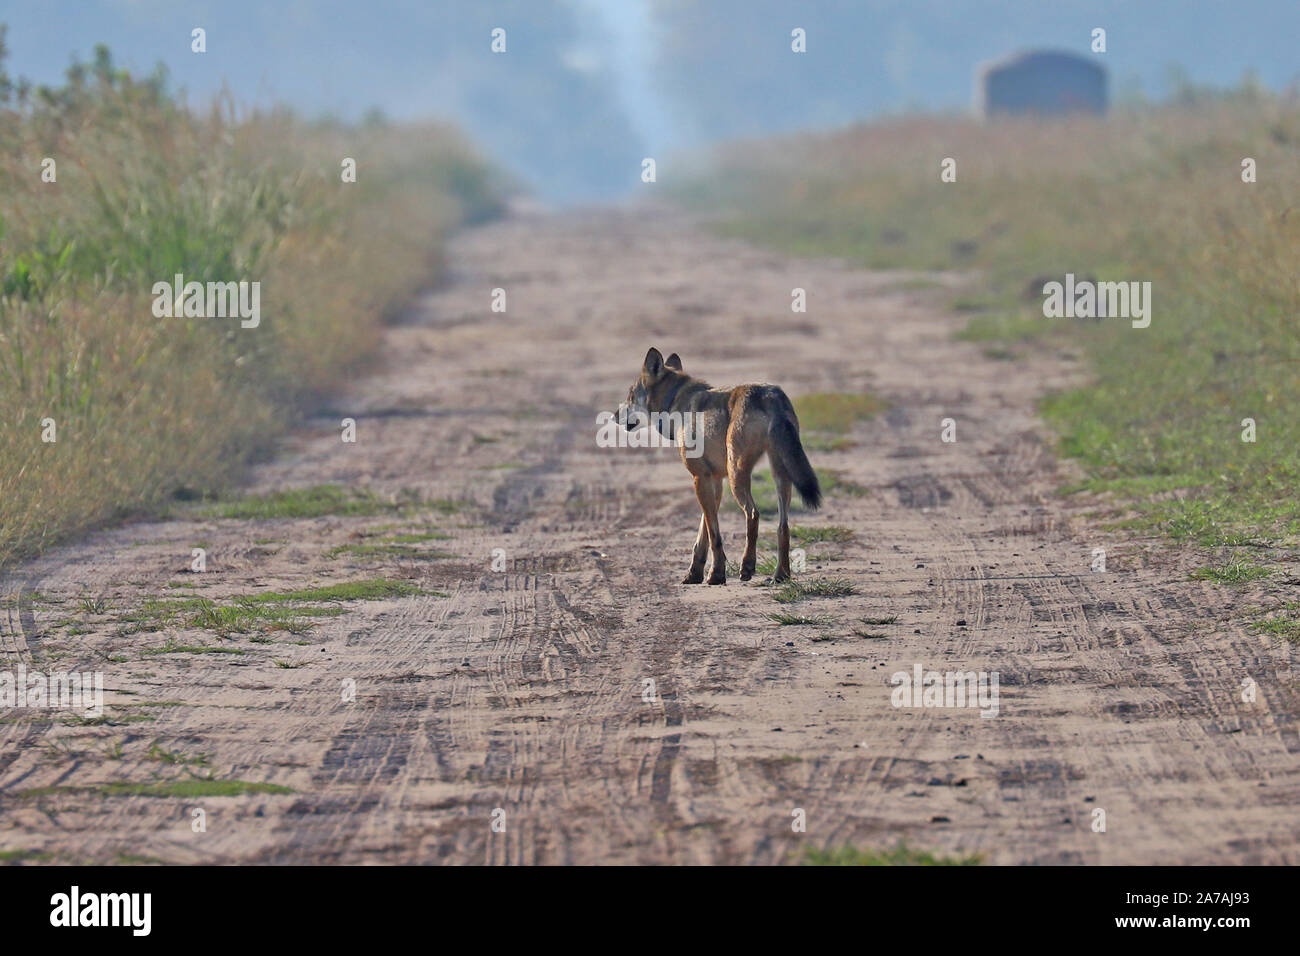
x,y
671,384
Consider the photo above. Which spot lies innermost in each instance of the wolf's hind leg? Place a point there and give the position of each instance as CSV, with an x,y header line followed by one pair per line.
x,y
718,573
784,486
696,574
740,474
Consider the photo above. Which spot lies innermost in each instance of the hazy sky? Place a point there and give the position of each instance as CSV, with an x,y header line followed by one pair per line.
x,y
345,56
429,58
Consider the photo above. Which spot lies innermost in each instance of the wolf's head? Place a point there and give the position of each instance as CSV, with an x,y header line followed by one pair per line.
x,y
646,395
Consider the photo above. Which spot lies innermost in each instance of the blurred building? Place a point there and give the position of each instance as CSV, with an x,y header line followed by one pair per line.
x,y
1040,82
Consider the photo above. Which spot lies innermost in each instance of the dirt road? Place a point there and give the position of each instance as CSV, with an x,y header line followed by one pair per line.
x,y
518,697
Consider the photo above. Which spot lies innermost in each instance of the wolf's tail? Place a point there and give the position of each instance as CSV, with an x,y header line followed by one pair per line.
x,y
784,445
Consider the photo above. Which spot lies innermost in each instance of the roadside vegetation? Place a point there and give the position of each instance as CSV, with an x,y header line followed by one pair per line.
x,y
1149,194
140,188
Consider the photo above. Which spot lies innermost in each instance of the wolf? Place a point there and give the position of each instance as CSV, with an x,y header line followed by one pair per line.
x,y
739,425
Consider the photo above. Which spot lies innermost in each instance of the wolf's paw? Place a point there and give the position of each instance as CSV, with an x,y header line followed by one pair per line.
x,y
694,577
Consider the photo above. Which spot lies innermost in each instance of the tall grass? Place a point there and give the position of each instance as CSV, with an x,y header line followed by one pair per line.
x,y
144,407
1155,195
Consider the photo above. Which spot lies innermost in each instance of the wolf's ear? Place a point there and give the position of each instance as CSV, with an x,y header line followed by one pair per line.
x,y
654,363
674,361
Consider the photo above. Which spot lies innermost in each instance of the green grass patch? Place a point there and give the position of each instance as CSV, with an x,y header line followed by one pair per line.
x,y
314,502
813,442
1008,326
156,752
800,588
835,412
106,720
1283,623
386,550
173,648
30,598
374,589
1234,572
289,611
191,788
239,616
812,534
764,565
1287,628
23,856
971,303
804,620
244,617
833,482
901,855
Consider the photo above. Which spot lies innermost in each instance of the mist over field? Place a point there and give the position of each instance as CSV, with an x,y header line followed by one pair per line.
x,y
589,87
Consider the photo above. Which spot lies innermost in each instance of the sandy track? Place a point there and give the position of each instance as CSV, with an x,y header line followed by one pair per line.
x,y
522,690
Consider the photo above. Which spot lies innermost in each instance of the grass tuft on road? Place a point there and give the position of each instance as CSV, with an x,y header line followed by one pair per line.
x,y
289,611
901,855
1233,572
816,620
1284,622
800,588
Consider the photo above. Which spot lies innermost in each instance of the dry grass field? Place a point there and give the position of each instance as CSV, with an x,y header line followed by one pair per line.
x,y
143,189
